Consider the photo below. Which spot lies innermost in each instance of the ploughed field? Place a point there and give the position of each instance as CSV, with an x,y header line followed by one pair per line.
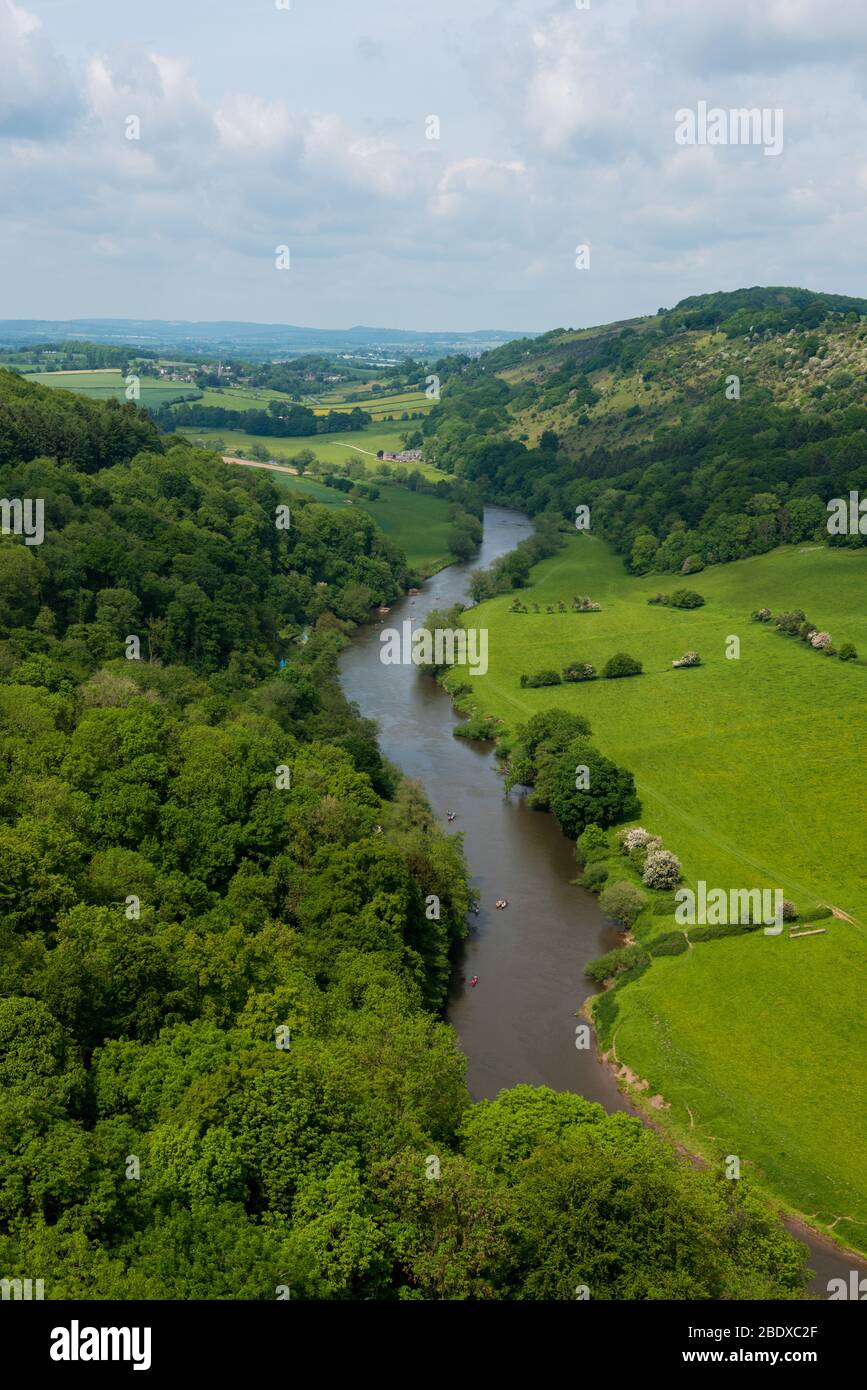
x,y
751,771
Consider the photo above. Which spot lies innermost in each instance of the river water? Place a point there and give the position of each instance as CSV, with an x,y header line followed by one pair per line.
x,y
518,1024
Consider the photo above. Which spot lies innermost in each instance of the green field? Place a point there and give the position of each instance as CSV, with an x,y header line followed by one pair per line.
x,y
329,448
750,770
108,384
257,398
415,521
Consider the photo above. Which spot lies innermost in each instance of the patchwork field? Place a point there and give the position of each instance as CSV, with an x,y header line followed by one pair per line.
x,y
257,398
329,448
108,384
751,772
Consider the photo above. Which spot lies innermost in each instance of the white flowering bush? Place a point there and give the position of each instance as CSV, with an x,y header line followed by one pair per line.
x,y
636,838
820,640
662,869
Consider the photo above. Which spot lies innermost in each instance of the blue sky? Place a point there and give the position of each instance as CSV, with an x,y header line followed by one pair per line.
x,y
306,127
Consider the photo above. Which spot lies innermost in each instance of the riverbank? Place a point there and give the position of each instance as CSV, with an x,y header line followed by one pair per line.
x,y
736,1034
519,1023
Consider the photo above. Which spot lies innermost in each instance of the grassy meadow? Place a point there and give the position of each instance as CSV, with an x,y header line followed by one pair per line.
x,y
329,448
415,521
750,770
108,384
257,398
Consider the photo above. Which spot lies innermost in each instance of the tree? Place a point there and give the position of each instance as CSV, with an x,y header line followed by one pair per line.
x,y
621,665
582,787
623,902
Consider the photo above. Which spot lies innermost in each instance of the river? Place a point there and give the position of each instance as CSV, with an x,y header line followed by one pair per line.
x,y
518,1024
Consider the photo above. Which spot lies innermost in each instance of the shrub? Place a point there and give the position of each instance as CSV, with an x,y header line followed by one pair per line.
x,y
790,623
621,665
674,947
688,659
638,857
686,598
662,869
616,963
821,641
584,604
693,564
659,600
579,671
481,726
594,876
591,844
790,912
848,652
699,934
539,679
761,615
623,902
664,905
628,839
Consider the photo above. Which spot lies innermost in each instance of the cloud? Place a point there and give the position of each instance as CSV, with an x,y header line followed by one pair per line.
x,y
743,36
37,96
557,128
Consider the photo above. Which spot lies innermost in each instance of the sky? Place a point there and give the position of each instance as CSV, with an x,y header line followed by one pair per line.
x,y
307,125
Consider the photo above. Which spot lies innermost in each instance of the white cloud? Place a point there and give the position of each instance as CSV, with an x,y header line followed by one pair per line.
x,y
37,96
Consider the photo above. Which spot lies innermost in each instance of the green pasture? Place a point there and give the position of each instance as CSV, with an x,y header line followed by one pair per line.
x,y
415,521
257,398
108,384
750,769
361,445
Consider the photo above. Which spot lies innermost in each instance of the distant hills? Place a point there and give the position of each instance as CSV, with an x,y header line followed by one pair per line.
x,y
253,341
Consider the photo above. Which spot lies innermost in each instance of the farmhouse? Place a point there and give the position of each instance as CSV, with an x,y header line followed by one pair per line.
x,y
404,456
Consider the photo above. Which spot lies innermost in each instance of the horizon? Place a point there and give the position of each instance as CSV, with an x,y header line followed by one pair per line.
x,y
509,333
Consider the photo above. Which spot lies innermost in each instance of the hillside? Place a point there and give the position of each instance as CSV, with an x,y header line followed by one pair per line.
x,y
712,431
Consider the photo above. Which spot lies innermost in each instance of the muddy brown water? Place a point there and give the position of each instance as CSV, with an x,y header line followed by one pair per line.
x,y
518,1024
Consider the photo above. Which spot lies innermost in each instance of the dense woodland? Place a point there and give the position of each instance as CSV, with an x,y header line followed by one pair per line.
x,y
224,1070
700,478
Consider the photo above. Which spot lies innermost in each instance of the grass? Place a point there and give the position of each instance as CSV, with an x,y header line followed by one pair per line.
x,y
108,384
257,398
751,771
329,448
415,521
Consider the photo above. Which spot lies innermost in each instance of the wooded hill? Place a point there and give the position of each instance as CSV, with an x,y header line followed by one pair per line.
x,y
717,429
